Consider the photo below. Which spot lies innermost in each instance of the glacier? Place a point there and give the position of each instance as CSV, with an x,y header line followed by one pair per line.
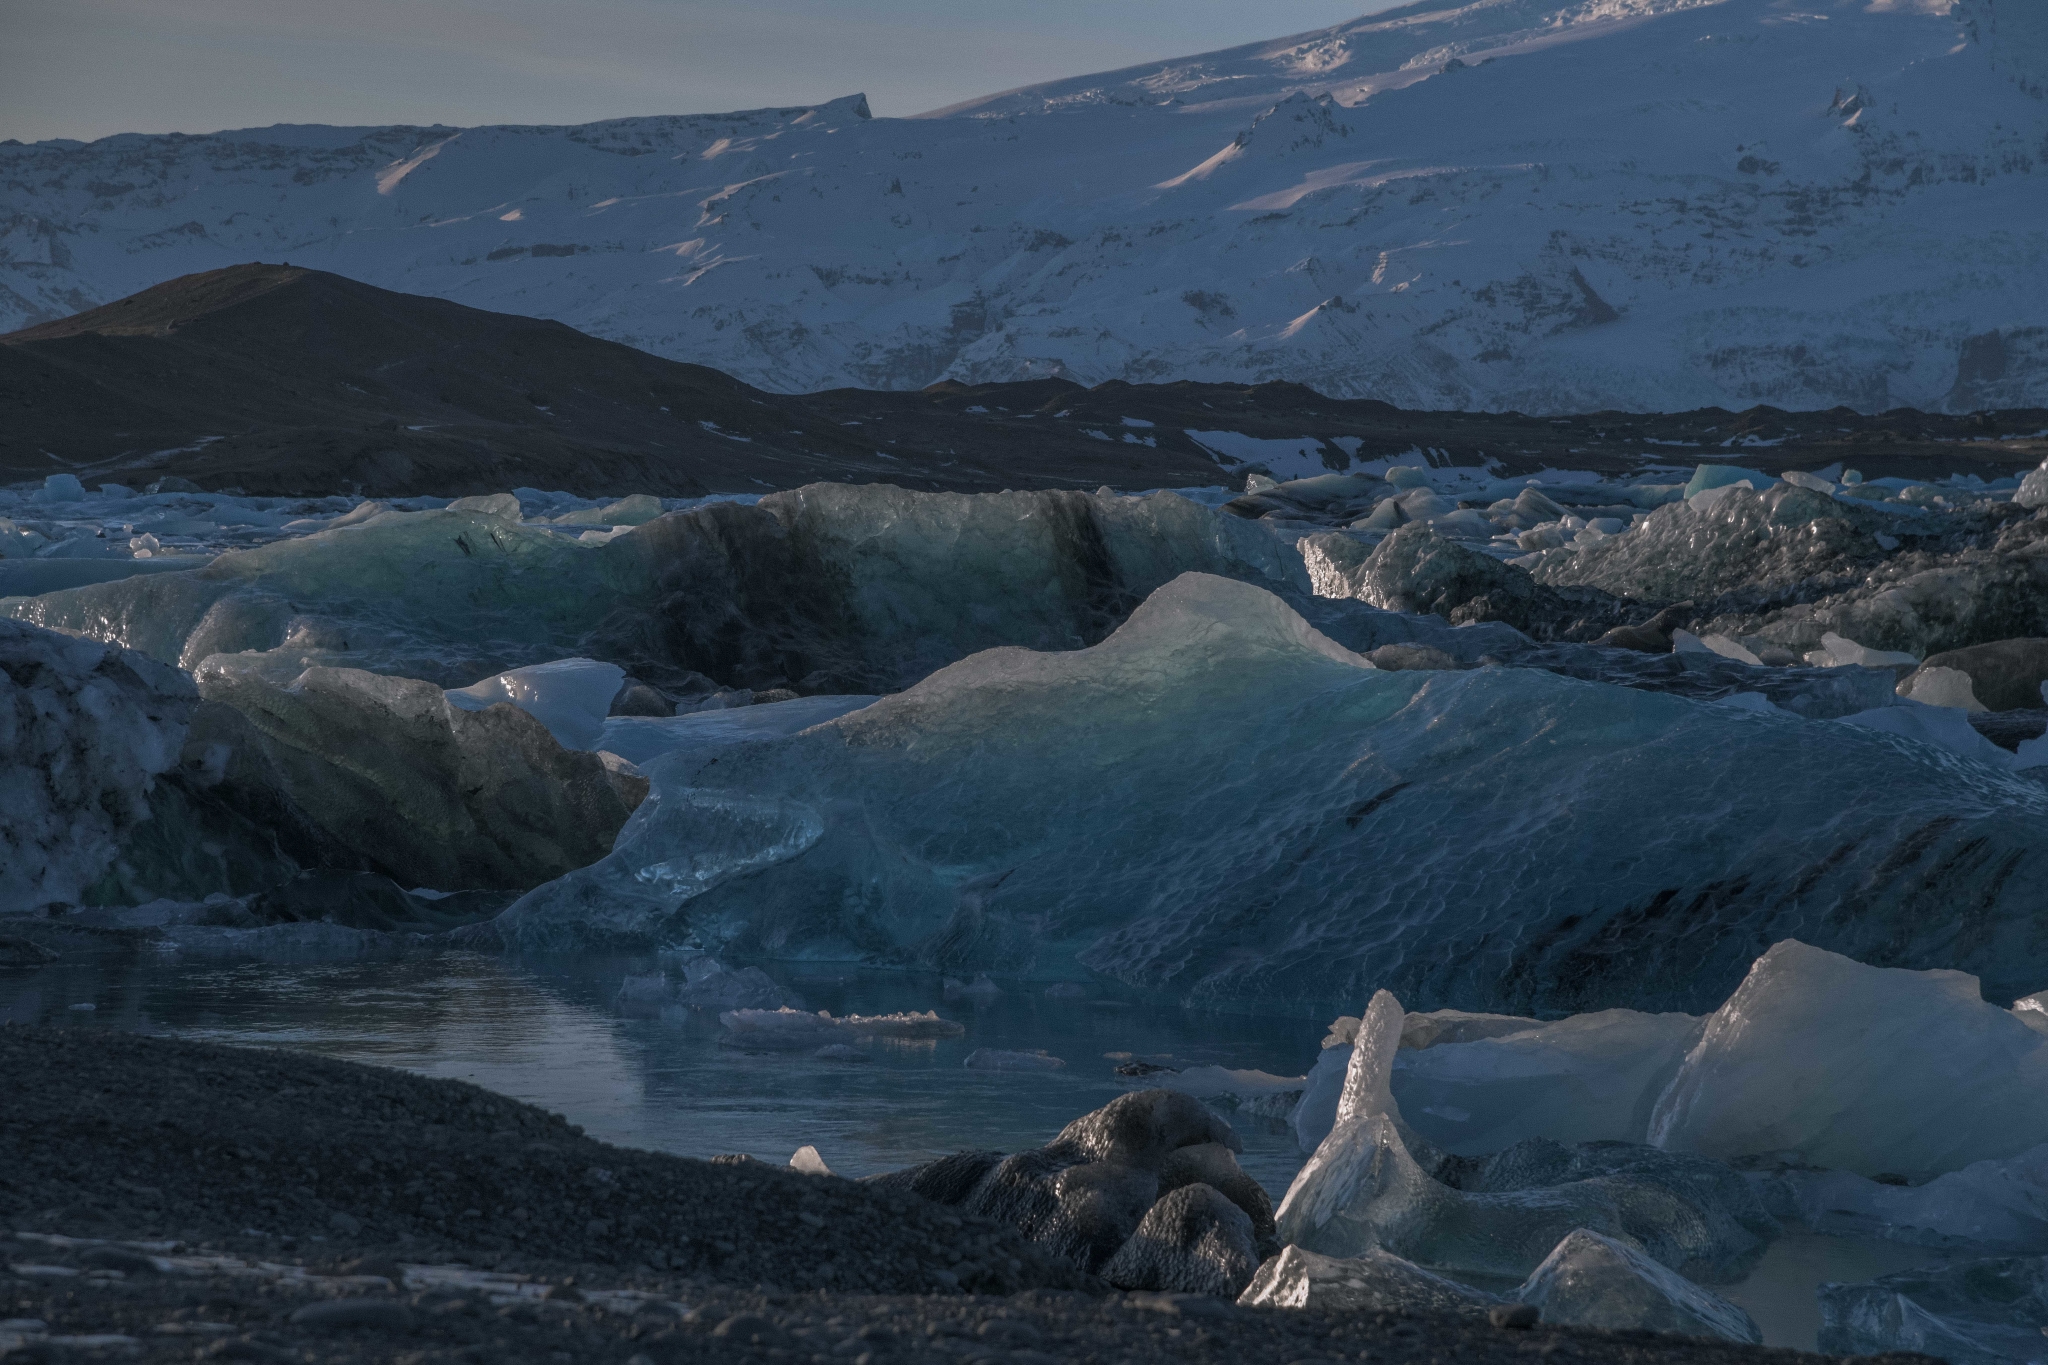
x,y
1542,205
1221,805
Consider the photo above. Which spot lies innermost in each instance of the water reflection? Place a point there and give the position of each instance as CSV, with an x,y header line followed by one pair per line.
x,y
553,1032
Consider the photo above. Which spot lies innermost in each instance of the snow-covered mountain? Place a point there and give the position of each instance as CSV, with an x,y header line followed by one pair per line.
x,y
1650,204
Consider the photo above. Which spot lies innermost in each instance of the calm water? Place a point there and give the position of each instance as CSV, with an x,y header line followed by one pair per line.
x,y
556,1034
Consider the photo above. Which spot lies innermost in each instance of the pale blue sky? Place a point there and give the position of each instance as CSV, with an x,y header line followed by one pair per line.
x,y
87,68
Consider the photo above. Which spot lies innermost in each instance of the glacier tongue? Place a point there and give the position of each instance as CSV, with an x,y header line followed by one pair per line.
x,y
1531,204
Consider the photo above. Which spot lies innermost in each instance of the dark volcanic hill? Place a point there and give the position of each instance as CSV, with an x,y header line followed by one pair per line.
x,y
279,380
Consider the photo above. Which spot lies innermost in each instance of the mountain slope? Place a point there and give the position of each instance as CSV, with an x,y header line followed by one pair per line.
x,y
283,380
280,380
1526,204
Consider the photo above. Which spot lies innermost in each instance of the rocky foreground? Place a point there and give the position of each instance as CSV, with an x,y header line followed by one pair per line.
x,y
164,1199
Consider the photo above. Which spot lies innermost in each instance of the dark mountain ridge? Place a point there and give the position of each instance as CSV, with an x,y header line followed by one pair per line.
x,y
281,380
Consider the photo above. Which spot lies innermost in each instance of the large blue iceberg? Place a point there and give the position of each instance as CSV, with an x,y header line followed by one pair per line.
x,y
1218,804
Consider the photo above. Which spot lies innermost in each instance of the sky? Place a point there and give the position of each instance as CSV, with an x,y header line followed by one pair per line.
x,y
88,68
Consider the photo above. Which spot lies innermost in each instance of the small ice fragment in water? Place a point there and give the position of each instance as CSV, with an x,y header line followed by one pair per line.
x,y
906,1024
981,988
85,1005
1001,1059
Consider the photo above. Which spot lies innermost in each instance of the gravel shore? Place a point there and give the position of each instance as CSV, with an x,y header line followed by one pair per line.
x,y
176,1200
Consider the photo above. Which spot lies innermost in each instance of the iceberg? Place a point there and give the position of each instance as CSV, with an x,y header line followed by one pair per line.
x,y
1969,1313
572,697
430,793
1373,1281
1873,1070
829,588
85,731
1365,1188
1587,1078
1220,804
1594,1281
1990,1205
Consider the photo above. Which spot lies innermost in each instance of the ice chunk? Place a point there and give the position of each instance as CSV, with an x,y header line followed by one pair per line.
x,y
1417,570
1938,726
807,1161
1802,479
1968,1313
1216,1082
909,1024
980,989
838,588
1595,1281
427,792
1001,1059
1372,1281
1866,1069
1364,1188
572,697
1082,811
636,510
1836,651
1999,1206
1708,476
2033,489
61,488
502,505
85,730
700,734
1731,649
1582,1079
1724,539
1933,685
709,984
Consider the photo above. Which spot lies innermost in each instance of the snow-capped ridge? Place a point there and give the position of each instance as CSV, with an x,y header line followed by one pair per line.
x,y
1469,179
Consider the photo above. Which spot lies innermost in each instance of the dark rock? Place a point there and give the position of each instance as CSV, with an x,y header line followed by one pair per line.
x,y
1193,1241
1214,1165
2006,675
1519,1317
637,698
1145,1126
948,1180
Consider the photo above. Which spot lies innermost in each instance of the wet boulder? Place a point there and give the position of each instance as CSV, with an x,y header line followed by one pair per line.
x,y
2005,675
1193,1241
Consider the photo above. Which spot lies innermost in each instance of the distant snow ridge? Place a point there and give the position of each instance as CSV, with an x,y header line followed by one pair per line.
x,y
1649,204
